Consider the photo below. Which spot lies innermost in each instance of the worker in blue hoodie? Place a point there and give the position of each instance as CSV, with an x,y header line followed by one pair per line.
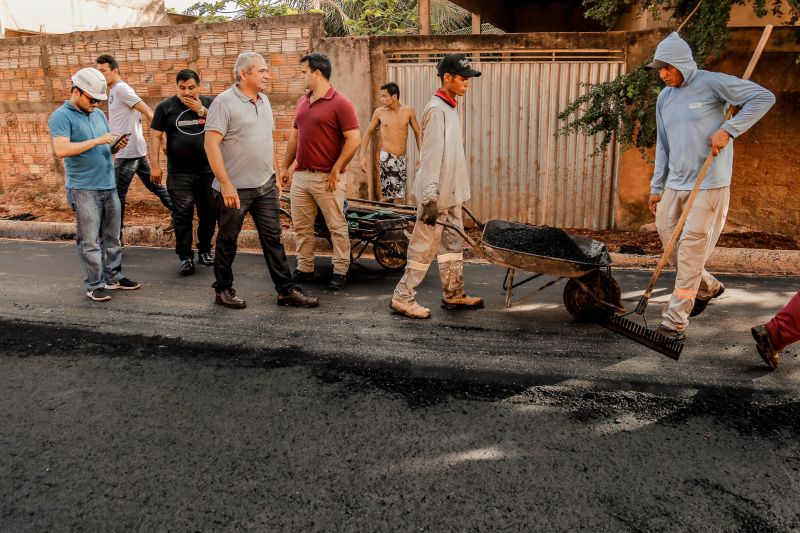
x,y
689,116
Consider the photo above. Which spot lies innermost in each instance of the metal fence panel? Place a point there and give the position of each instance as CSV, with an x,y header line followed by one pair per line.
x,y
519,169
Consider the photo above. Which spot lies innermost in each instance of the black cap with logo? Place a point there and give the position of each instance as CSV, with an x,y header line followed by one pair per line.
x,y
456,64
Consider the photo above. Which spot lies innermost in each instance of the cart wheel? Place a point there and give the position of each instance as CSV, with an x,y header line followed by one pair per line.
x,y
582,306
390,255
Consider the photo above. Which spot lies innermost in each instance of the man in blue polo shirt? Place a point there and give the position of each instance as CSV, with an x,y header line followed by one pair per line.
x,y
81,137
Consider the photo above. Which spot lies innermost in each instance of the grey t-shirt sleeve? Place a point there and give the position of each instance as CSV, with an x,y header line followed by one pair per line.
x,y
218,118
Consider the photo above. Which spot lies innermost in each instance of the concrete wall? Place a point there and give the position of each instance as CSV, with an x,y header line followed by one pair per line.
x,y
63,16
35,77
352,77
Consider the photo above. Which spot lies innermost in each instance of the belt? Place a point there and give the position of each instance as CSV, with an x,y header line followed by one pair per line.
x,y
313,171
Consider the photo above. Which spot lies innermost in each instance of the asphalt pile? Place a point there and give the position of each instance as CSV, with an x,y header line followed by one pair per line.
x,y
542,240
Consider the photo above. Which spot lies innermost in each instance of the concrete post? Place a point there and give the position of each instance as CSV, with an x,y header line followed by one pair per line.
x,y
424,17
476,23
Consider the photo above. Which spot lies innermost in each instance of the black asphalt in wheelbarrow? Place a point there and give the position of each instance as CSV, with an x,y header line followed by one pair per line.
x,y
590,291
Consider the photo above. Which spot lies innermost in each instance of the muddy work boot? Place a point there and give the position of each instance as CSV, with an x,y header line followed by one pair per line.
x,y
410,309
670,333
462,302
765,347
700,305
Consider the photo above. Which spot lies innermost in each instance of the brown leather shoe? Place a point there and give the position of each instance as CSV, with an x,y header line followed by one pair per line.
x,y
764,346
462,302
296,298
228,298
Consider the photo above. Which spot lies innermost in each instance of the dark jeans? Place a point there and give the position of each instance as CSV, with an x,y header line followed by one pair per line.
x,y
125,169
262,204
186,192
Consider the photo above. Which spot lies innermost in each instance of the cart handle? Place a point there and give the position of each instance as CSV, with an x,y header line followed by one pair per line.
x,y
469,240
473,217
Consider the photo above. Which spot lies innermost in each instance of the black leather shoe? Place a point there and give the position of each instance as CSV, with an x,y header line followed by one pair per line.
x,y
296,298
298,276
700,305
205,258
338,282
187,267
228,298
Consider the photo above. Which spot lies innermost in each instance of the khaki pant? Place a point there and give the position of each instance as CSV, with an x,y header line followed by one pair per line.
x,y
700,234
309,196
425,243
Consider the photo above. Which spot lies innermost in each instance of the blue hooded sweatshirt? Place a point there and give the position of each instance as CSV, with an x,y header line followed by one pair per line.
x,y
686,116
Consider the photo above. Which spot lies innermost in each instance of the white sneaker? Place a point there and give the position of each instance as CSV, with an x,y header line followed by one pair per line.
x,y
410,309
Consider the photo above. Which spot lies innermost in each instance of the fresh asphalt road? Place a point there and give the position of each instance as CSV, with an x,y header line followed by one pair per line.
x,y
160,411
533,343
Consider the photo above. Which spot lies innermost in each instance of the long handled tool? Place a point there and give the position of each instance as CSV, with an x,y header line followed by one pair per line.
x,y
639,333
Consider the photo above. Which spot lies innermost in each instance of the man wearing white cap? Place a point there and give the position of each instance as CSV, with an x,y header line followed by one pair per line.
x,y
82,138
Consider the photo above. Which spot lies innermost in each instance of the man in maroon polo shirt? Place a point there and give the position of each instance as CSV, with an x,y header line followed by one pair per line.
x,y
324,140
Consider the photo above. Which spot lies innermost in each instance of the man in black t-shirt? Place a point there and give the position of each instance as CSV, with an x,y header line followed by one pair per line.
x,y
182,119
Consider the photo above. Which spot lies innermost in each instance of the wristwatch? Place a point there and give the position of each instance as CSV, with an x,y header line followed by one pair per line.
x,y
202,111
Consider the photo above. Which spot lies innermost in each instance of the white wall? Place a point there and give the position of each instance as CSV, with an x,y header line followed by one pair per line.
x,y
64,16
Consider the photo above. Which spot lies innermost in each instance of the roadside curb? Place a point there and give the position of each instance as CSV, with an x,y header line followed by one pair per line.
x,y
723,260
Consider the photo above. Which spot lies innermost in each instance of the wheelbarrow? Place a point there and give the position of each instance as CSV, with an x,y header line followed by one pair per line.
x,y
377,224
590,292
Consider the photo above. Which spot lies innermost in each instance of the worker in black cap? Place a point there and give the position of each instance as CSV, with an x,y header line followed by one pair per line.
x,y
441,186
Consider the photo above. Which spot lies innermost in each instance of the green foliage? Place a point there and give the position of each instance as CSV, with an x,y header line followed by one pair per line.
x,y
341,17
383,17
625,107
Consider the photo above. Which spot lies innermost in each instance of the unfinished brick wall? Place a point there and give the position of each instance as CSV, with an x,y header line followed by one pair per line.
x,y
35,78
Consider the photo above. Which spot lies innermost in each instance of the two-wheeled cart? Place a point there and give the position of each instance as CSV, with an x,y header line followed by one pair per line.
x,y
384,226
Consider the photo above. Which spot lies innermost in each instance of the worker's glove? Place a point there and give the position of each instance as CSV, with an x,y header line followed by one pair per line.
x,y
430,212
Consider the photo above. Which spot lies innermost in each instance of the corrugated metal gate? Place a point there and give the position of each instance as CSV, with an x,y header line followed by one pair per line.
x,y
519,169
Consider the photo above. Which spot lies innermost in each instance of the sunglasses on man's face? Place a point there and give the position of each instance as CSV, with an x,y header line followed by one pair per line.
x,y
92,101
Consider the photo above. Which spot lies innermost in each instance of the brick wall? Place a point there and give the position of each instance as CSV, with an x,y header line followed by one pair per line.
x,y
35,77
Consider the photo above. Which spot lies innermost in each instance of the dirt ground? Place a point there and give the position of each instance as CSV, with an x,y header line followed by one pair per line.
x,y
33,203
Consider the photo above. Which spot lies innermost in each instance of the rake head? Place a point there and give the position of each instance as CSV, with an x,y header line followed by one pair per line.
x,y
642,335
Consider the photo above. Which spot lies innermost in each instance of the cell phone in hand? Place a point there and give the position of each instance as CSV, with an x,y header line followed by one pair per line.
x,y
119,140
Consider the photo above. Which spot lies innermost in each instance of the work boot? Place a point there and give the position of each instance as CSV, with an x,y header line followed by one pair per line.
x,y
410,309
227,297
297,298
187,267
700,305
670,333
462,302
765,347
205,258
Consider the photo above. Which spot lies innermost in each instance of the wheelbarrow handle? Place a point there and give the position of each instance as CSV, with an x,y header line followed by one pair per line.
x,y
471,215
469,240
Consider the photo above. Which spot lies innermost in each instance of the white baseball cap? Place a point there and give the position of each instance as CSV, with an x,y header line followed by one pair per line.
x,y
91,81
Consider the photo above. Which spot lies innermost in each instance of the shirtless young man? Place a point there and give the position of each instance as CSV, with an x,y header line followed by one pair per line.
x,y
394,119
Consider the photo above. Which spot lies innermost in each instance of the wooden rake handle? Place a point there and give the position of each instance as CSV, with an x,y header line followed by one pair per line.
x,y
703,171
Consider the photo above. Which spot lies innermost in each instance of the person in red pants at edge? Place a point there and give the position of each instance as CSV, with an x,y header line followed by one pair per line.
x,y
778,333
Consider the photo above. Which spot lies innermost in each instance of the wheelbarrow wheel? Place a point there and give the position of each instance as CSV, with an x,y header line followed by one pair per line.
x,y
581,305
390,255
